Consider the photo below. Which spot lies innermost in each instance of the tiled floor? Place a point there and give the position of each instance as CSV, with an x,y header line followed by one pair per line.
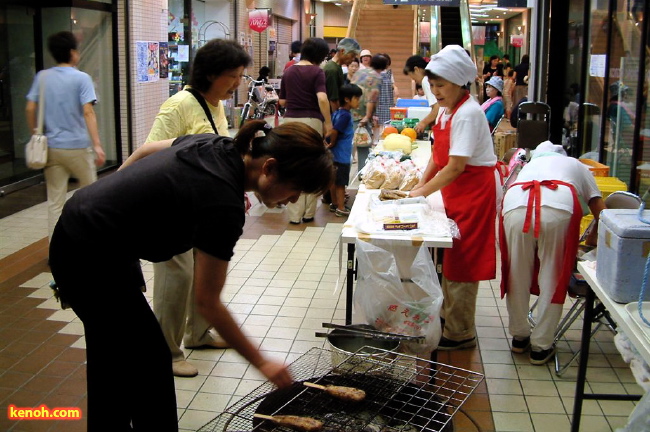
x,y
281,287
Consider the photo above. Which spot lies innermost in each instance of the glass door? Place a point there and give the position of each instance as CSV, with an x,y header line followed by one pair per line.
x,y
17,68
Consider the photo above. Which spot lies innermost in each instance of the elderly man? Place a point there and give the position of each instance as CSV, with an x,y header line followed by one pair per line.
x,y
541,219
346,51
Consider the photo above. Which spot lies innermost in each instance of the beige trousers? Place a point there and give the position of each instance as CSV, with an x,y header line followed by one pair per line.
x,y
306,205
174,305
459,309
61,165
522,247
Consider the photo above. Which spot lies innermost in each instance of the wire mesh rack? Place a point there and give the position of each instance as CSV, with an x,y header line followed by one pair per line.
x,y
403,394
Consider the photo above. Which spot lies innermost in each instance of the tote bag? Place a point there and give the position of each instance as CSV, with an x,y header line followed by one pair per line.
x,y
36,149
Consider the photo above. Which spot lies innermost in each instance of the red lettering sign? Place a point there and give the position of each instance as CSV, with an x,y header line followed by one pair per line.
x,y
259,19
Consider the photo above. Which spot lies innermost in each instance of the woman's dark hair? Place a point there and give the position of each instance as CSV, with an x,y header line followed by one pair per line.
x,y
349,91
314,50
525,59
213,59
265,71
387,58
302,159
379,62
494,57
60,44
413,62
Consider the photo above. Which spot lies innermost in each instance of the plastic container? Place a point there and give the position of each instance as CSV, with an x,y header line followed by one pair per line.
x,y
597,169
405,103
398,113
608,185
623,245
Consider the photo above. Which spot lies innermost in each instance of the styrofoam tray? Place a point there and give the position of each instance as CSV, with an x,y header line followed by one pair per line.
x,y
633,310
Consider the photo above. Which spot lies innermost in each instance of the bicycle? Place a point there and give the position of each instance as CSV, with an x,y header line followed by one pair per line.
x,y
262,101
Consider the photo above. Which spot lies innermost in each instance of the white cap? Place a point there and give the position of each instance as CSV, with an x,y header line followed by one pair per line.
x,y
548,147
453,64
365,53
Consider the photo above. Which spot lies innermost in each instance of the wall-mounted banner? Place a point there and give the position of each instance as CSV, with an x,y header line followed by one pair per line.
x,y
424,2
259,19
513,3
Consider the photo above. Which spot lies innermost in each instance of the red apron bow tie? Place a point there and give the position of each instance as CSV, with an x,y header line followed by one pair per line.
x,y
535,202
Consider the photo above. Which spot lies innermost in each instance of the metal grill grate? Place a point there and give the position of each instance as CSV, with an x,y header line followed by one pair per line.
x,y
403,394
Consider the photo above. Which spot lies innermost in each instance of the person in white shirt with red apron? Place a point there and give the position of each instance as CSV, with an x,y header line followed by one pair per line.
x,y
539,240
462,167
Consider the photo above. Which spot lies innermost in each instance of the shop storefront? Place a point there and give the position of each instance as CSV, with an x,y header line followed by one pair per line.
x,y
603,97
24,28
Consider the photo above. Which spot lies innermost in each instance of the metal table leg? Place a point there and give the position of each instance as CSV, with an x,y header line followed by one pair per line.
x,y
584,358
349,285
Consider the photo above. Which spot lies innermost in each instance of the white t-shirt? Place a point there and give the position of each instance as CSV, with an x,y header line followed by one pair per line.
x,y
564,168
470,134
427,91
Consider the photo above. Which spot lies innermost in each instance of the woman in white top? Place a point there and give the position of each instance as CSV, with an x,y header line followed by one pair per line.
x,y
462,167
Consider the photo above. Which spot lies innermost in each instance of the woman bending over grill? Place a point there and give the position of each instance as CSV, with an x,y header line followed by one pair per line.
x,y
168,197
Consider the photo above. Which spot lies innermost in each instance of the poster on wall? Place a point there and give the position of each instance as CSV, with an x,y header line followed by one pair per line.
x,y
147,61
164,59
141,61
183,53
153,61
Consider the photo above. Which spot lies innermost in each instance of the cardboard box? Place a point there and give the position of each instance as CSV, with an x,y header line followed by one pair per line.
x,y
503,142
623,245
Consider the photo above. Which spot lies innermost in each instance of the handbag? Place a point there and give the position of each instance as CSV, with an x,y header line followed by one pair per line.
x,y
36,149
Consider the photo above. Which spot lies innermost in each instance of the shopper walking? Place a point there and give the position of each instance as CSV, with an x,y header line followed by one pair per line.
x,y
74,147
304,94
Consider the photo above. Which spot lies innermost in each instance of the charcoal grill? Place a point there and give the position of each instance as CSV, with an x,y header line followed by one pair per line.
x,y
402,395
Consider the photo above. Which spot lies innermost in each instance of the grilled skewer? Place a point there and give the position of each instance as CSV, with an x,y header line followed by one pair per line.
x,y
304,424
348,394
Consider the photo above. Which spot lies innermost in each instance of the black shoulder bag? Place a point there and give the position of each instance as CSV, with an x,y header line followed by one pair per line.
x,y
204,105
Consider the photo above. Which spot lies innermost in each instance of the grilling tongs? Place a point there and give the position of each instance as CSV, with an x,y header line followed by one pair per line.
x,y
370,334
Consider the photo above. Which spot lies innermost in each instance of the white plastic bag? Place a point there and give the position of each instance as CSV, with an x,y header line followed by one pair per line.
x,y
398,291
362,137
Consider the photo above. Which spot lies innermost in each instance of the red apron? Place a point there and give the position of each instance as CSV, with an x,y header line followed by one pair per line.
x,y
570,246
470,200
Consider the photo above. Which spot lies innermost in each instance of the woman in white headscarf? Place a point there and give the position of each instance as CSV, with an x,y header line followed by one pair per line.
x,y
462,167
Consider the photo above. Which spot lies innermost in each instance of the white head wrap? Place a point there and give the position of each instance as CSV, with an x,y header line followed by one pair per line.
x,y
453,64
547,148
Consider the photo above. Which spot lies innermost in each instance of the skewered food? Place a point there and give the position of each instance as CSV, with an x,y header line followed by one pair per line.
x,y
304,424
348,394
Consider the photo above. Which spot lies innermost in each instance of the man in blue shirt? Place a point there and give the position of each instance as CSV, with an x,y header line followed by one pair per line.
x,y
340,144
69,123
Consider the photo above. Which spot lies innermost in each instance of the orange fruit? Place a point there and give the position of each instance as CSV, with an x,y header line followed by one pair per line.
x,y
388,130
411,133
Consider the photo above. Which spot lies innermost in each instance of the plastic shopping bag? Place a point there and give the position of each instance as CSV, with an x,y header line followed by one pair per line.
x,y
362,137
398,291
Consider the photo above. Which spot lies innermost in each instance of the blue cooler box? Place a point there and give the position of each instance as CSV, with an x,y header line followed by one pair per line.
x,y
623,245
